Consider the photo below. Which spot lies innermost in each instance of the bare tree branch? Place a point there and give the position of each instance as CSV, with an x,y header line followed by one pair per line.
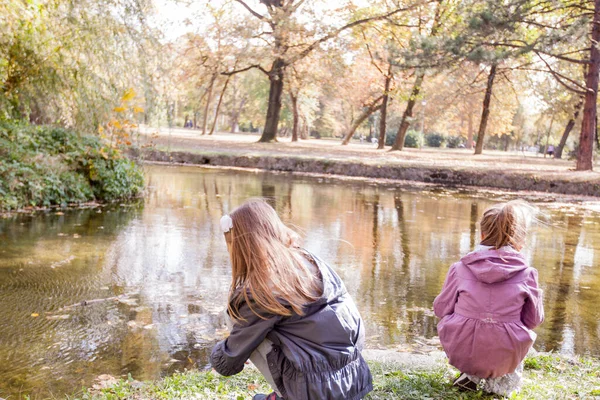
x,y
336,32
371,54
257,15
518,46
579,89
237,71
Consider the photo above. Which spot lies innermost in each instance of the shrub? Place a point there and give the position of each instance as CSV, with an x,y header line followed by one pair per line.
x,y
45,166
435,139
453,142
390,137
412,139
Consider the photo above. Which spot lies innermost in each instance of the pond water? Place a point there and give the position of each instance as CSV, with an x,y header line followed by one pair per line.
x,y
155,274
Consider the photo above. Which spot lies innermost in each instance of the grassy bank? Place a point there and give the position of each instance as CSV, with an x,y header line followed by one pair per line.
x,y
547,376
44,166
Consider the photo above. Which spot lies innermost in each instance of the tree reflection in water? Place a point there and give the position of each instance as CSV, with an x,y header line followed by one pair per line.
x,y
392,245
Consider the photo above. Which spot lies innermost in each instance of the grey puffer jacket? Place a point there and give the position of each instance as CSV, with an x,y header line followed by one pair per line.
x,y
315,356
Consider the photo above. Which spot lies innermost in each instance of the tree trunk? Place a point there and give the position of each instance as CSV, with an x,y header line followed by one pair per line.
x,y
371,108
384,104
208,99
408,112
304,134
588,124
296,121
212,129
548,136
470,132
275,92
235,116
486,110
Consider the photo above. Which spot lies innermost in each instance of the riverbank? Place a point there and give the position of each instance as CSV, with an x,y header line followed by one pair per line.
x,y
46,166
396,376
447,167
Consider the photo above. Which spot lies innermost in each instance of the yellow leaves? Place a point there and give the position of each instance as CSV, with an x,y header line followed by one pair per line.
x,y
103,153
35,315
128,95
117,131
115,124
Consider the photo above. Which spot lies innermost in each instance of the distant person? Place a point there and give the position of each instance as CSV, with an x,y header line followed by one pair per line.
x,y
292,315
489,304
551,150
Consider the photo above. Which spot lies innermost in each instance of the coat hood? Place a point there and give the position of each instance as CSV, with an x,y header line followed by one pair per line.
x,y
491,266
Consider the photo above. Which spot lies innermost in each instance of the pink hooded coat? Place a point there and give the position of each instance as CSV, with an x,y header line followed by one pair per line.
x,y
488,307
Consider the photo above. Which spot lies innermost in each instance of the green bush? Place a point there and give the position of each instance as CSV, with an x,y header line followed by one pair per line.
x,y
412,139
45,166
435,139
453,142
390,137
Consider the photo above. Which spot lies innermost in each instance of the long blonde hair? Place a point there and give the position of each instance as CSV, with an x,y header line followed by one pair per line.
x,y
506,224
265,264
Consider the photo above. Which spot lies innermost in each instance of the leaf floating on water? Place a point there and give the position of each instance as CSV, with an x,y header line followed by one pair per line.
x,y
128,301
35,315
62,262
58,317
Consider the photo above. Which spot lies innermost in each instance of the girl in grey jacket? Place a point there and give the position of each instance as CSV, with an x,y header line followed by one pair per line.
x,y
292,316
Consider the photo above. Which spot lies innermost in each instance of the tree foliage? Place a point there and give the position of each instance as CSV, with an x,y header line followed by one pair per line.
x,y
68,62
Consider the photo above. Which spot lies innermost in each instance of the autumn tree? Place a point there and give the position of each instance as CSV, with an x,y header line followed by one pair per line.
x,y
54,56
440,14
290,40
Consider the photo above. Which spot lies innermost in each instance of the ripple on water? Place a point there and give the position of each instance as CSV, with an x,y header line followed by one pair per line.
x,y
164,267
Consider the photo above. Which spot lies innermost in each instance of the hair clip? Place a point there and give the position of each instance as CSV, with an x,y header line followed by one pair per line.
x,y
226,223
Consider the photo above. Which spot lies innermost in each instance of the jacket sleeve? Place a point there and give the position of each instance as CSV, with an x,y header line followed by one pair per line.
x,y
229,355
444,303
532,314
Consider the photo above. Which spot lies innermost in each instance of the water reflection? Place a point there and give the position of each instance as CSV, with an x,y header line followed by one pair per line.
x,y
168,264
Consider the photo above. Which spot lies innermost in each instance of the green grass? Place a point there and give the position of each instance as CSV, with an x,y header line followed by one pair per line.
x,y
547,376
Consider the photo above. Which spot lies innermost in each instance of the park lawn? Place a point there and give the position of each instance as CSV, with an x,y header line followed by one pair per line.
x,y
547,376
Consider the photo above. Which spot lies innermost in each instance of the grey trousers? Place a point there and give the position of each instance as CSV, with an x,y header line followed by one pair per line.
x,y
259,359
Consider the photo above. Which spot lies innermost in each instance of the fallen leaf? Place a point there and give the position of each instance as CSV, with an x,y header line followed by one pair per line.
x,y
35,315
57,317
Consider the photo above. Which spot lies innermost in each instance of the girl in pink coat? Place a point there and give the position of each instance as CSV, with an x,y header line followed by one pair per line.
x,y
489,305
